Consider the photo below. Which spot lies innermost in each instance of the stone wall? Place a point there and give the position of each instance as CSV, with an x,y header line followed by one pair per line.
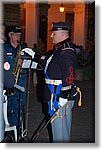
x,y
11,14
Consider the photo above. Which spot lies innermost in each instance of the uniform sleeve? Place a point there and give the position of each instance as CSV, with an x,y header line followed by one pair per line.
x,y
68,65
8,77
43,59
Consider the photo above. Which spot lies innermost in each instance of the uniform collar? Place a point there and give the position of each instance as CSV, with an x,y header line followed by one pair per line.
x,y
60,44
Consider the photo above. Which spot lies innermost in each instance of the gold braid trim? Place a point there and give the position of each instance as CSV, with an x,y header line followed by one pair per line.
x,y
80,99
57,113
67,104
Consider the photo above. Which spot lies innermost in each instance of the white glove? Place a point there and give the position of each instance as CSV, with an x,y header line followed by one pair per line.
x,y
62,101
29,51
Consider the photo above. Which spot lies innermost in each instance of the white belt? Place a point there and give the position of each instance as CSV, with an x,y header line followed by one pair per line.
x,y
57,82
66,88
53,82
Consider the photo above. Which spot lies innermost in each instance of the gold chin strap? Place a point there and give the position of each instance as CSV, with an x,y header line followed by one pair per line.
x,y
80,99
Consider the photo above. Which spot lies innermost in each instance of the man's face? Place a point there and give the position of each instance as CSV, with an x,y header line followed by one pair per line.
x,y
57,36
15,37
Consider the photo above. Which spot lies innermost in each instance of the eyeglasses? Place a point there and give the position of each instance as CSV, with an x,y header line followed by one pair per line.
x,y
17,34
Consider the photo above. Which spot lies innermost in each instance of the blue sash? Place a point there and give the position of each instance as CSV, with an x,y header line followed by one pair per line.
x,y
55,90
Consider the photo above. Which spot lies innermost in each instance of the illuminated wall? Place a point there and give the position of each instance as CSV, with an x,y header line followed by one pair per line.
x,y
79,24
31,24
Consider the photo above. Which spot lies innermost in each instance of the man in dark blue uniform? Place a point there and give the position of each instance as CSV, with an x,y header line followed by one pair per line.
x,y
13,49
6,82
59,80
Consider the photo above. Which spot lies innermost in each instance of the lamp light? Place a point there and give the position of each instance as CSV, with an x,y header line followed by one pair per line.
x,y
61,8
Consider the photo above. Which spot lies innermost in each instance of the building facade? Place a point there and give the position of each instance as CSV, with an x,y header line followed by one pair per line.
x,y
36,20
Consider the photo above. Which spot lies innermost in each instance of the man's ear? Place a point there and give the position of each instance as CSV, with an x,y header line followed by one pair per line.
x,y
9,35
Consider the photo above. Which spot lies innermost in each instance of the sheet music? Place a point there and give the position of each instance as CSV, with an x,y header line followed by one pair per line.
x,y
27,64
34,65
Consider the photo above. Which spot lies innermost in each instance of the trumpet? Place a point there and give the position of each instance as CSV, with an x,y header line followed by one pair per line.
x,y
18,65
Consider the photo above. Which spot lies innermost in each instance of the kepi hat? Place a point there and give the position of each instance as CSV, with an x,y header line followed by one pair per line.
x,y
56,26
15,29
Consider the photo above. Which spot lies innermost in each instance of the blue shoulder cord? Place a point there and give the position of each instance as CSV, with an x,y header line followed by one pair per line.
x,y
53,105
